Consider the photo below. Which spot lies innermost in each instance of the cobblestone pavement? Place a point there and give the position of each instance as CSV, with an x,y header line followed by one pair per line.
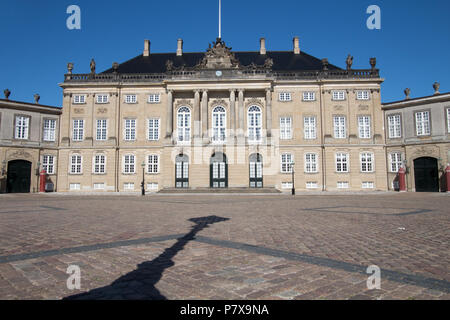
x,y
239,247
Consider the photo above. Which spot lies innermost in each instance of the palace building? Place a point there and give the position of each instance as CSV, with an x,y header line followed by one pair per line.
x,y
223,119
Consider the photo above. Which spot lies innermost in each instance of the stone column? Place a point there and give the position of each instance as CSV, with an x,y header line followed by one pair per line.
x,y
241,111
169,124
269,112
197,114
205,113
233,111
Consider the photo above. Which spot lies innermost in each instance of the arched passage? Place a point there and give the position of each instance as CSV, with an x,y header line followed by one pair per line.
x,y
19,176
426,174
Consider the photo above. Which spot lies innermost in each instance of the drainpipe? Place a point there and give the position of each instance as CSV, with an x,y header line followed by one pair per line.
x,y
322,139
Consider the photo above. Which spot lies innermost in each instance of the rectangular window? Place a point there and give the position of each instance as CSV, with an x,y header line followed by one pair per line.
x,y
340,130
76,164
153,129
286,185
363,95
396,161
364,127
285,128
102,126
366,162
310,128
22,127
368,185
74,186
311,185
99,186
48,164
49,130
79,99
99,164
311,163
154,98
102,98
342,185
130,98
153,163
423,123
342,162
309,96
152,186
395,126
448,120
285,96
130,129
286,163
128,186
338,95
78,130
129,164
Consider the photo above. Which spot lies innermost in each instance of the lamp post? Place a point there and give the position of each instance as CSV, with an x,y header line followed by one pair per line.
x,y
3,167
143,179
293,178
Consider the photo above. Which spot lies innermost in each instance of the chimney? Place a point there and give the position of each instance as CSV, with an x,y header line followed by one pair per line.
x,y
180,47
262,48
296,45
146,48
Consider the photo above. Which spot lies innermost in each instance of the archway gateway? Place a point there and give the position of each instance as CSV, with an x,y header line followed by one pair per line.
x,y
19,176
426,174
218,171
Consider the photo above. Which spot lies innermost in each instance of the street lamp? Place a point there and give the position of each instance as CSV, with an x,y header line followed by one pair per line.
x,y
143,179
293,178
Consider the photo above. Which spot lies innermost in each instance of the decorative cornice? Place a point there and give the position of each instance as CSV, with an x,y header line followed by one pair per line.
x,y
218,102
254,101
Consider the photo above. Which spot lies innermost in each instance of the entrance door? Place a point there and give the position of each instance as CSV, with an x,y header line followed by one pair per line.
x,y
426,174
218,171
182,171
256,171
19,176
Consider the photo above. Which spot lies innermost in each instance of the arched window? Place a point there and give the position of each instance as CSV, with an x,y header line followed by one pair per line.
x,y
184,124
254,123
219,120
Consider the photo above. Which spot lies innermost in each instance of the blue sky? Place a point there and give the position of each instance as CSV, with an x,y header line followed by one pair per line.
x,y
412,48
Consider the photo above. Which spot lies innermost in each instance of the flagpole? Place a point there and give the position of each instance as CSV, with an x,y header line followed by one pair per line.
x,y
220,19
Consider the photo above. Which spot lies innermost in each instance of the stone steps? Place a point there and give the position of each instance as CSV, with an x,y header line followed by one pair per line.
x,y
220,190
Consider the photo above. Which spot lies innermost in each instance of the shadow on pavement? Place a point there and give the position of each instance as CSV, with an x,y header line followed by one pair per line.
x,y
140,283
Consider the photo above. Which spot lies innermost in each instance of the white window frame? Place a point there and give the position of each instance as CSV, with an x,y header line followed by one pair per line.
x,y
448,119
130,99
311,162
48,163
343,185
219,124
395,126
364,127
78,130
102,98
22,127
99,186
367,162
340,127
152,186
423,127
338,95
74,186
184,119
254,124
312,185
363,95
368,185
395,161
286,185
342,160
128,166
154,98
285,128
128,184
153,129
102,130
152,164
309,96
310,127
76,167
284,97
286,160
130,129
79,99
99,167
49,129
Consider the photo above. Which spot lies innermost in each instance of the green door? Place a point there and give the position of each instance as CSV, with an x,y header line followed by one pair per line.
x,y
19,176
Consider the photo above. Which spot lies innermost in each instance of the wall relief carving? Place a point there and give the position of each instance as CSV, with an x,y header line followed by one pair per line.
x,y
253,101
20,154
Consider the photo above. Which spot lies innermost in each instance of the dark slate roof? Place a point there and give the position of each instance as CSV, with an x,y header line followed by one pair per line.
x,y
282,61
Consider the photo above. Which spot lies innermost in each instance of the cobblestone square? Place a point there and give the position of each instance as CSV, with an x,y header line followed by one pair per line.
x,y
225,246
